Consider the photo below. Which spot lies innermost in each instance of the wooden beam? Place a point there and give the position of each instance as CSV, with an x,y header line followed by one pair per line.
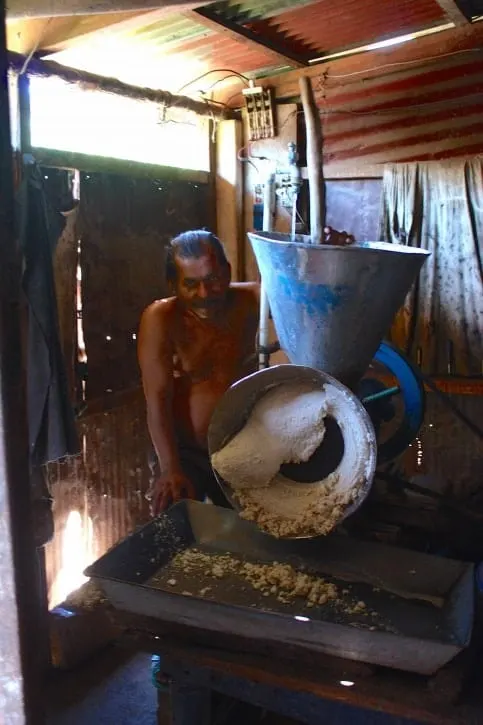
x,y
229,194
244,35
453,12
115,24
27,33
20,677
67,8
48,69
107,165
313,132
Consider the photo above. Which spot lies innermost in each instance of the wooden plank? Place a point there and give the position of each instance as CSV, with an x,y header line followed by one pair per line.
x,y
229,194
112,25
85,162
65,8
20,679
24,34
453,12
212,176
244,35
395,693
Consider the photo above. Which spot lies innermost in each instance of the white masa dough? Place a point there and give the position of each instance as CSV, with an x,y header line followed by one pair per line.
x,y
287,425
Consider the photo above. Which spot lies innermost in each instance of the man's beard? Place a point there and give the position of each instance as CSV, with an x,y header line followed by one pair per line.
x,y
207,308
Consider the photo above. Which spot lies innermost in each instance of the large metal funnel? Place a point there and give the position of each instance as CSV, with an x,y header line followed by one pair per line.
x,y
332,305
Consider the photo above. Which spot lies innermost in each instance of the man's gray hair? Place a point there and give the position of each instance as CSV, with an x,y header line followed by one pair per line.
x,y
193,244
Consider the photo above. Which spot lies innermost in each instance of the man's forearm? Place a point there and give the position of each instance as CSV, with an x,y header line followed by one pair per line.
x,y
163,436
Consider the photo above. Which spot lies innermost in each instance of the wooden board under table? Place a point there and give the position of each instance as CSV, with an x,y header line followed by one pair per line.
x,y
302,674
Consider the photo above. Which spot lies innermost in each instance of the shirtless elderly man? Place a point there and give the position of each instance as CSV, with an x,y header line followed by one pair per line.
x,y
192,347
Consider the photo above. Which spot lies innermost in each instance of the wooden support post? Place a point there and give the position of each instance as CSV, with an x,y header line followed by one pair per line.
x,y
229,195
212,212
314,161
19,664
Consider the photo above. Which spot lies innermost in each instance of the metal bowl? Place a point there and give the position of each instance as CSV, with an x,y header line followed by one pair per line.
x,y
234,408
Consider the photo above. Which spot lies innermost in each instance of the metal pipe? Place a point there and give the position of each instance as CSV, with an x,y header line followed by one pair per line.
x,y
294,214
268,222
295,183
386,393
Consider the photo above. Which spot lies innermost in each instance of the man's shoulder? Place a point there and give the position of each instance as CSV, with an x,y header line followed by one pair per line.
x,y
159,312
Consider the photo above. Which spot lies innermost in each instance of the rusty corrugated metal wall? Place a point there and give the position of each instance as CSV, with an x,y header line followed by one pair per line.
x,y
99,497
124,228
104,487
425,112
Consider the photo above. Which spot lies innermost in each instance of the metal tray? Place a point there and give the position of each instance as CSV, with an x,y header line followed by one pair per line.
x,y
425,603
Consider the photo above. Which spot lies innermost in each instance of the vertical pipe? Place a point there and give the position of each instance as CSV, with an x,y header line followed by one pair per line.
x,y
23,82
19,664
295,184
268,216
212,215
314,161
293,226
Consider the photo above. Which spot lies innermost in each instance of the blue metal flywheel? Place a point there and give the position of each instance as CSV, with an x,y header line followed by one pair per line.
x,y
379,401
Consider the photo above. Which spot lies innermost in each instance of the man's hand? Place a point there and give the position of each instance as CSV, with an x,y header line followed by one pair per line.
x,y
169,488
338,239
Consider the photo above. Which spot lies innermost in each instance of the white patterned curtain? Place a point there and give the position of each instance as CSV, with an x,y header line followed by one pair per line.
x,y
438,206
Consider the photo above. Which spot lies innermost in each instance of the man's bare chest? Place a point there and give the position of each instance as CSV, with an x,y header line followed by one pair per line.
x,y
202,351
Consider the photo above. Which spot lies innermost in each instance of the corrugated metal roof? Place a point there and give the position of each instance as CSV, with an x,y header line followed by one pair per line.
x,y
166,53
168,50
330,27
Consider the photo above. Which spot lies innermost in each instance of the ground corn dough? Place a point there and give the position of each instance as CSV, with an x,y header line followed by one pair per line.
x,y
285,426
281,580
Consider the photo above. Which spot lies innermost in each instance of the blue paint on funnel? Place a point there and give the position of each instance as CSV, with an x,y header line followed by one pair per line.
x,y
333,305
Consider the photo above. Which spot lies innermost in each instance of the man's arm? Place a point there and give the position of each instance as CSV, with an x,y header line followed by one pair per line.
x,y
155,354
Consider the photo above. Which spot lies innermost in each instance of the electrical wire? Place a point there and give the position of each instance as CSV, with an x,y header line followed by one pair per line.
x,y
406,62
40,37
215,70
220,80
203,92
234,95
395,109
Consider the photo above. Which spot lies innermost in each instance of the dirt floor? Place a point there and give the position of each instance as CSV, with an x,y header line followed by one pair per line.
x,y
112,688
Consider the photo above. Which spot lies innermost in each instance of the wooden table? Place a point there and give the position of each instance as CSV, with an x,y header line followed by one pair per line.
x,y
311,688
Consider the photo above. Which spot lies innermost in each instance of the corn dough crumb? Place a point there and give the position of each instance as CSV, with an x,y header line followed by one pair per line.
x,y
282,581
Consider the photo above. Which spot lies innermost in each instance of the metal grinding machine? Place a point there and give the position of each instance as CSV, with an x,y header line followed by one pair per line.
x,y
331,306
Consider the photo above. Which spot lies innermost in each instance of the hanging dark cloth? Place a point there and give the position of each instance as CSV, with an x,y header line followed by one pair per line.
x,y
51,421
